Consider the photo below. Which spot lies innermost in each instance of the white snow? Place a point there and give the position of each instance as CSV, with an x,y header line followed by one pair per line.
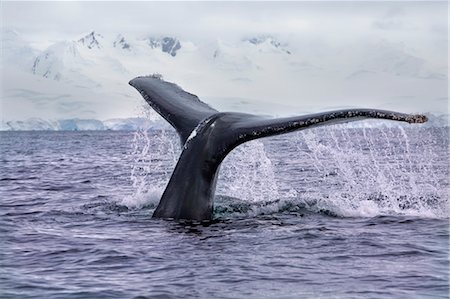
x,y
86,77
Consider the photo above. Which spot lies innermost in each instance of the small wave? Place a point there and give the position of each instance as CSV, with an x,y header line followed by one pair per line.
x,y
144,199
226,206
335,205
10,179
94,207
18,179
230,207
371,205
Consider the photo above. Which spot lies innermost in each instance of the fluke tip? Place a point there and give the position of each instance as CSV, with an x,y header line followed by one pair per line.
x,y
418,119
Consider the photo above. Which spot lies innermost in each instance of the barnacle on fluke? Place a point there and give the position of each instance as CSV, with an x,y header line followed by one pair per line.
x,y
418,119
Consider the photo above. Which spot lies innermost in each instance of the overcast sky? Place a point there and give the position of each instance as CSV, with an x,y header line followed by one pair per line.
x,y
62,19
420,27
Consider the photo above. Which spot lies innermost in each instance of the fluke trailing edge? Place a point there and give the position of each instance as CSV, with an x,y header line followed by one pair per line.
x,y
208,136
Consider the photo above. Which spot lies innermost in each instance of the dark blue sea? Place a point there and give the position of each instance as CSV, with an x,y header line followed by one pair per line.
x,y
337,212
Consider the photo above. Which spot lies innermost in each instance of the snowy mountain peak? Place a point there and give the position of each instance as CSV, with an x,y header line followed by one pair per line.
x,y
262,39
121,43
267,40
167,44
91,40
51,62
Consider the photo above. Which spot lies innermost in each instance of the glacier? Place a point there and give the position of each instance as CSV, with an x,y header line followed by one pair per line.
x,y
140,123
126,124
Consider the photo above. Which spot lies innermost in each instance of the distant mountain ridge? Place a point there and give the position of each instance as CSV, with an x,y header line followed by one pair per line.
x,y
51,62
86,77
66,60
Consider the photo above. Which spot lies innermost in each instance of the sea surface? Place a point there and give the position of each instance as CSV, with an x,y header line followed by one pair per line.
x,y
336,212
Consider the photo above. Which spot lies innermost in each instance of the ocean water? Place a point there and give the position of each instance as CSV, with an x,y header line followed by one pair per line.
x,y
336,212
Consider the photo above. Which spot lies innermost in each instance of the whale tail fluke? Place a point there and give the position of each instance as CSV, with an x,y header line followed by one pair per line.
x,y
183,110
208,136
254,127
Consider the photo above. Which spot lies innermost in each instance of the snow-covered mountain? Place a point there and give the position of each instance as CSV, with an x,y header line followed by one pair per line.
x,y
86,77
267,42
163,53
61,61
91,40
121,43
167,44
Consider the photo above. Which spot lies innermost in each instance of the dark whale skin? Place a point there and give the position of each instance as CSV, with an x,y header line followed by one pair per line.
x,y
208,136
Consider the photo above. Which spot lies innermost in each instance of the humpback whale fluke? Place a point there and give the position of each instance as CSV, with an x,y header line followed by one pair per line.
x,y
208,136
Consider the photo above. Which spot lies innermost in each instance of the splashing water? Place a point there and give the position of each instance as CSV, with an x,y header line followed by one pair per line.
x,y
383,173
154,156
247,173
341,171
